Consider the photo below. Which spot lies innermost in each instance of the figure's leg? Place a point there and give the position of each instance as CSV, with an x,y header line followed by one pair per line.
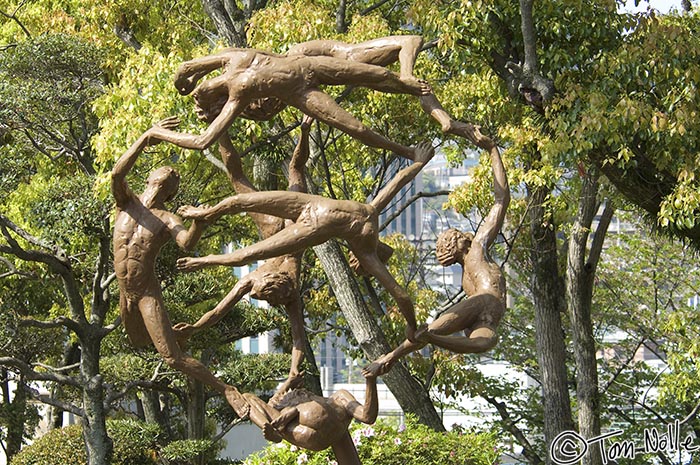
x,y
466,316
282,204
321,106
159,327
292,239
345,451
296,322
449,125
331,71
372,265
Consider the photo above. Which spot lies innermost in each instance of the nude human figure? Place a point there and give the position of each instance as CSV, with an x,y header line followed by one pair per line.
x,y
480,314
313,422
317,219
383,52
250,75
277,280
142,226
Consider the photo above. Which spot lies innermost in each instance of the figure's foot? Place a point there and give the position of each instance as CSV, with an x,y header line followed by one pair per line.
x,y
195,213
468,131
190,264
237,402
270,433
418,87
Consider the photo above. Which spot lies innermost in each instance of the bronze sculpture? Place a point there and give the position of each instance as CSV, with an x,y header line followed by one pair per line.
x,y
383,52
250,75
314,422
480,314
316,219
142,226
277,280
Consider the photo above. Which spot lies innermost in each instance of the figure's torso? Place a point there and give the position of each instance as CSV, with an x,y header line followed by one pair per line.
x,y
139,233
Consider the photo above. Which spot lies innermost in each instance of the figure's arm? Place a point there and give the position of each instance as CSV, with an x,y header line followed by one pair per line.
x,y
424,152
367,413
488,231
215,315
120,188
203,141
185,238
297,179
232,160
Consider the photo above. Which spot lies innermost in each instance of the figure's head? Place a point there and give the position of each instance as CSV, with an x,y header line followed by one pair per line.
x,y
165,181
452,245
275,288
210,97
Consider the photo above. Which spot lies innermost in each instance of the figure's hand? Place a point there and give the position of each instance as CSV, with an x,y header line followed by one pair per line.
x,y
195,213
424,152
372,370
306,122
169,123
411,333
190,264
423,333
270,433
183,331
355,265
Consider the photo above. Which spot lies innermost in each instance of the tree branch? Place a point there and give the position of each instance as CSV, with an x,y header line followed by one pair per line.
x,y
510,425
60,322
48,400
13,17
26,370
408,203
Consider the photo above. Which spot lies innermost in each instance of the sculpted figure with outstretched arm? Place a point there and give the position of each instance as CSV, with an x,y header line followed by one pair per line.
x,y
316,219
142,226
277,280
250,75
480,314
313,422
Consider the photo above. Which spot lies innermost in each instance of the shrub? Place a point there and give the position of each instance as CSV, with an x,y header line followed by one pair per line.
x,y
383,444
134,444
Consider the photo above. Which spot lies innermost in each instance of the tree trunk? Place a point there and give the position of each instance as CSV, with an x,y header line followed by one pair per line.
x,y
98,444
196,401
548,294
579,291
15,405
410,394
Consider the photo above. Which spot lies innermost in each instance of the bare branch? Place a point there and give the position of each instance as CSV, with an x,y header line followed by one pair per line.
x,y
408,203
48,400
13,17
60,322
7,223
57,370
511,426
29,373
13,270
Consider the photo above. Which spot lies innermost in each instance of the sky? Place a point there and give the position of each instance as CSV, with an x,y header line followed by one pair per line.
x,y
662,6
